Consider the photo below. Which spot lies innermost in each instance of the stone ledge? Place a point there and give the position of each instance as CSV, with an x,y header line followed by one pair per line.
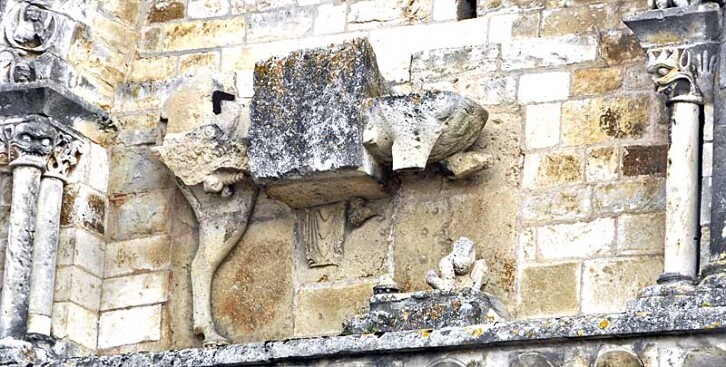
x,y
46,96
576,328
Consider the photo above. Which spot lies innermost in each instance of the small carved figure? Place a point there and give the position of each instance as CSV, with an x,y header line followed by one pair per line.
x,y
31,28
665,4
460,269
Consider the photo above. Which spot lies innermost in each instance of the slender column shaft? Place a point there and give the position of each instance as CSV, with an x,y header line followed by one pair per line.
x,y
45,250
18,255
682,186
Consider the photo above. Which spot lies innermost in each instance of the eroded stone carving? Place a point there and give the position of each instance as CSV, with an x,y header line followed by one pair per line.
x,y
409,131
323,233
33,139
665,4
460,269
617,358
466,164
205,152
31,26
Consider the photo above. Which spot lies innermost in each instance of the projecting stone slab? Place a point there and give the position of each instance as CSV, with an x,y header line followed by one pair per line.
x,y
427,310
305,133
684,25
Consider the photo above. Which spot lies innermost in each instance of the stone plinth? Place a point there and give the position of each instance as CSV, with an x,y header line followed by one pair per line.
x,y
426,310
305,133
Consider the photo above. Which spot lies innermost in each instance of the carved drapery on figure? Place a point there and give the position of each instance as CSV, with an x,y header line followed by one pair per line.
x,y
323,233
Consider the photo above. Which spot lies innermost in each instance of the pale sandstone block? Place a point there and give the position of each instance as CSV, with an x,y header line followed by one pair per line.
x,y
135,290
203,34
608,284
152,68
578,20
641,233
528,244
596,120
137,215
542,127
495,90
137,256
138,129
126,10
78,286
596,80
84,207
119,36
550,51
59,320
80,247
445,10
544,87
602,164
245,83
207,8
373,14
629,196
567,204
551,169
475,60
550,290
81,325
577,240
706,197
322,312
280,24
242,6
137,169
196,63
330,19
272,4
115,330
500,27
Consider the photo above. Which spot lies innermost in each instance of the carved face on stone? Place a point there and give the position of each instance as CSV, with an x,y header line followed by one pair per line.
x,y
31,27
671,70
463,256
34,136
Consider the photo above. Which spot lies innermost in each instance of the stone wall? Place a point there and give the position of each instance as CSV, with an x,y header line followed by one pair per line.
x,y
570,219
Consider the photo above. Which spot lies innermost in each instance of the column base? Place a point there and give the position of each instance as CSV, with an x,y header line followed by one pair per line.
x,y
675,278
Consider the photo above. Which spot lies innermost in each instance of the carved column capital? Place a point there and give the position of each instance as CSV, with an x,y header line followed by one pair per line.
x,y
683,74
35,141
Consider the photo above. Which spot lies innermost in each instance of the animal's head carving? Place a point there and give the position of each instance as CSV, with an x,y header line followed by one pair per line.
x,y
672,73
34,136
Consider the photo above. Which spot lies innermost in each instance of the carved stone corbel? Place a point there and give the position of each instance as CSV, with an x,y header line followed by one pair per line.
x,y
210,162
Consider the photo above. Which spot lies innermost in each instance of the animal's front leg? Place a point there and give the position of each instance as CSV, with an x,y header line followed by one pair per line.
x,y
213,248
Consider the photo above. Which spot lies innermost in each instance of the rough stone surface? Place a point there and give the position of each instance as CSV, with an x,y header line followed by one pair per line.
x,y
313,119
326,310
425,310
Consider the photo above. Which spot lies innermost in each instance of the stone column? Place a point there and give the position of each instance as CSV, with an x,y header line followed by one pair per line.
x,y
682,47
64,157
30,145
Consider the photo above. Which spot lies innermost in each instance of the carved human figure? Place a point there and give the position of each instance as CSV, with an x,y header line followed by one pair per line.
x,y
34,27
460,269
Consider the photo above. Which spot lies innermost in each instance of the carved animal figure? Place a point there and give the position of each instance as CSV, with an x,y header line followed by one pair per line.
x,y
409,131
460,269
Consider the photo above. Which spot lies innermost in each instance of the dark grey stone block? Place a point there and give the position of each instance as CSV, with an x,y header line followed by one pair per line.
x,y
305,132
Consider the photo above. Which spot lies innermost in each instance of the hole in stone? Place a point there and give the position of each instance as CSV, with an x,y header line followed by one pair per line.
x,y
217,98
466,9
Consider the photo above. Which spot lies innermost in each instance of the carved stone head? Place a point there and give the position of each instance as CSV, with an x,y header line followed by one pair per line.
x,y
671,71
463,256
34,136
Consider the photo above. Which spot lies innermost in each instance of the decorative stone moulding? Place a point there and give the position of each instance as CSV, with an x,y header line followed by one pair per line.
x,y
410,131
203,147
457,298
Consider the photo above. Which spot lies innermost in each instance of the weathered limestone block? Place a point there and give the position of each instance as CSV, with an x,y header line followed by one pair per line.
x,y
425,310
305,131
412,130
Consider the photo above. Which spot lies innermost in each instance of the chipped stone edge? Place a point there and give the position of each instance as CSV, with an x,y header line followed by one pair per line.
x,y
575,328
